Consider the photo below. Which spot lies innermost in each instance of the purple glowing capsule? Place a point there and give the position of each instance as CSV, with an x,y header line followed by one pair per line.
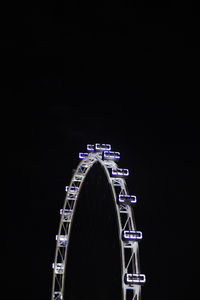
x,y
131,235
120,172
83,155
102,147
127,199
134,278
90,147
111,155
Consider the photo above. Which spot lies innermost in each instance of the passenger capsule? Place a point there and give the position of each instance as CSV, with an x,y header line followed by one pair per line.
x,y
120,172
83,155
127,199
134,278
90,147
131,235
102,147
73,189
111,155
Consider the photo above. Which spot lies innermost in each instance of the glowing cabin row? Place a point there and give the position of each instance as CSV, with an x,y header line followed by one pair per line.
x,y
127,236
108,155
114,172
98,147
129,278
122,199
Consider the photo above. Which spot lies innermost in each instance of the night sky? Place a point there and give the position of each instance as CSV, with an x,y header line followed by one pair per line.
x,y
123,74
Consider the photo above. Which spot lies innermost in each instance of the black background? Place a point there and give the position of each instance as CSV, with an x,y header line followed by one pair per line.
x,y
125,74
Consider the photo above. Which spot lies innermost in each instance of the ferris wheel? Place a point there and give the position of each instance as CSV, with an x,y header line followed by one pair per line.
x,y
129,237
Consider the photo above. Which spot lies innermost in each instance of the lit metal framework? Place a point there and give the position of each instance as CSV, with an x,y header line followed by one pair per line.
x,y
129,237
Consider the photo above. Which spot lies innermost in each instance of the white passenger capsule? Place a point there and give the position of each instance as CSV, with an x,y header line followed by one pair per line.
x,y
134,278
120,172
111,155
83,155
102,147
131,235
90,147
127,199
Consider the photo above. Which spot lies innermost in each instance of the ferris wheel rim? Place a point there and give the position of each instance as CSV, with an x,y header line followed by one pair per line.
x,y
89,161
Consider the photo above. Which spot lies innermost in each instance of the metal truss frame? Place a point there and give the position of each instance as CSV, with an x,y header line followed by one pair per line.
x,y
131,277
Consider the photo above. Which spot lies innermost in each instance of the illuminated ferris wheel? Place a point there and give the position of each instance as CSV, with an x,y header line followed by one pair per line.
x,y
129,237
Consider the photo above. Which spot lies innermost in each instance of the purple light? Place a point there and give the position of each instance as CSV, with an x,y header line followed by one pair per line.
x,y
83,155
111,155
127,199
135,278
66,211
120,172
90,147
73,189
131,235
102,147
57,296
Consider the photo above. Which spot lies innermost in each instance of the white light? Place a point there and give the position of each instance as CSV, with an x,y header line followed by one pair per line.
x,y
102,147
58,267
83,155
127,199
120,172
111,155
73,189
62,240
135,278
90,147
66,211
132,235
57,296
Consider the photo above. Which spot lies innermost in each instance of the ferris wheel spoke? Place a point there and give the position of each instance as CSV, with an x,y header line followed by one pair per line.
x,y
130,260
127,220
